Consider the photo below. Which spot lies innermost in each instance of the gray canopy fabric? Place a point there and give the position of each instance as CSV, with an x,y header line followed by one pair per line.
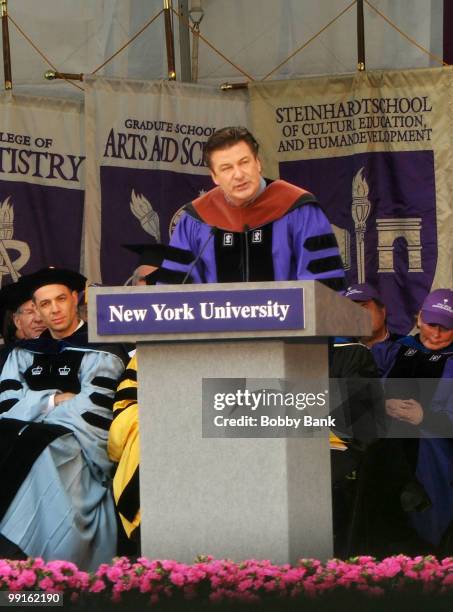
x,y
254,35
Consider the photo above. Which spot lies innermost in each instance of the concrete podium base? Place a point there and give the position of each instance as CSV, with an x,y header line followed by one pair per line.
x,y
230,498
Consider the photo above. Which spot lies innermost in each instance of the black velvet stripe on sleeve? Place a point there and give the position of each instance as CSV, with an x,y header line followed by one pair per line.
x,y
129,374
106,382
306,198
7,404
335,283
318,243
10,384
128,393
101,400
129,501
118,411
96,420
325,264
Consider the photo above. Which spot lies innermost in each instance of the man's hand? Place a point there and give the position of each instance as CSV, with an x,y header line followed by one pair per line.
x,y
409,410
63,397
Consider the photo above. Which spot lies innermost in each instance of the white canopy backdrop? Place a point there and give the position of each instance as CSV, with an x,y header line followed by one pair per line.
x,y
256,35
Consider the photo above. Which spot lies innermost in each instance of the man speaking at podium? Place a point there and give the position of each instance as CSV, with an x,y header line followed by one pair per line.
x,y
245,229
251,229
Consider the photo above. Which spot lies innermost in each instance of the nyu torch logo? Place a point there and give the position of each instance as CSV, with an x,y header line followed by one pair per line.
x,y
10,265
149,219
361,207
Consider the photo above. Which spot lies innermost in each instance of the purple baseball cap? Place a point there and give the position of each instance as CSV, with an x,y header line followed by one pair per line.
x,y
362,292
437,308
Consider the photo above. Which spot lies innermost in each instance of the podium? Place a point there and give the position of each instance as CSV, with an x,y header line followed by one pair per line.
x,y
230,497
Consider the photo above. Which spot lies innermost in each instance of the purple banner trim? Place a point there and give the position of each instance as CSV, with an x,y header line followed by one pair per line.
x,y
200,311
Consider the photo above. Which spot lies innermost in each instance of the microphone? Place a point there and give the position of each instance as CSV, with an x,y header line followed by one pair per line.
x,y
212,232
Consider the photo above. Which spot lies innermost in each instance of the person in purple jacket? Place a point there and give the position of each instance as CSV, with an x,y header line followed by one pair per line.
x,y
250,229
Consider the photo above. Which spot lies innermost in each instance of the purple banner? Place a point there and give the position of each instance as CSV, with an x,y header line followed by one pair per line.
x,y
39,226
200,311
138,207
385,206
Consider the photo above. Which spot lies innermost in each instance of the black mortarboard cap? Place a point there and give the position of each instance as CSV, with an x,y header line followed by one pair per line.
x,y
154,254
12,296
168,277
56,276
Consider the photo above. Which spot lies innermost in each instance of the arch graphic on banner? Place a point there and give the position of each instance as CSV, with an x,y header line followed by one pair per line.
x,y
391,229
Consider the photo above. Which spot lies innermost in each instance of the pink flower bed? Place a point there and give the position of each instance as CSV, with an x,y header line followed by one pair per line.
x,y
224,581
